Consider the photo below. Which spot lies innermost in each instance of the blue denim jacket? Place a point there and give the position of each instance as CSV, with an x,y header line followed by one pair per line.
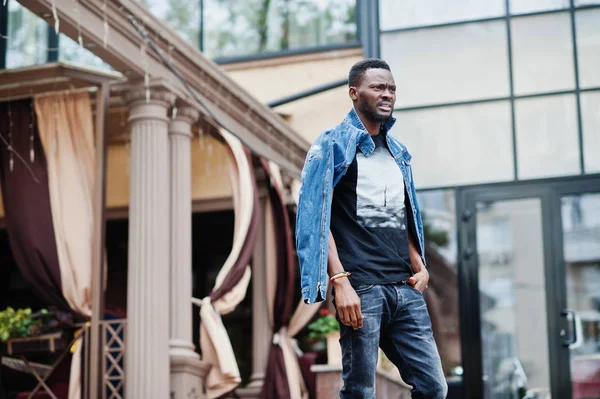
x,y
327,161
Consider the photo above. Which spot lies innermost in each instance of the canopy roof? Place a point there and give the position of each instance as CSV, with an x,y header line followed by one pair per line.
x,y
223,101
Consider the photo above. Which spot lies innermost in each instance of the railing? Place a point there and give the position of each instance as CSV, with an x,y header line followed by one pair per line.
x,y
113,359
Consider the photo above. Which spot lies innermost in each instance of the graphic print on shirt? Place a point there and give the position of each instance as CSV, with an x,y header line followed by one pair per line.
x,y
379,191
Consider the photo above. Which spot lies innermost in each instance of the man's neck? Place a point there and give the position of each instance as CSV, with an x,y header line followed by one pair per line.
x,y
372,127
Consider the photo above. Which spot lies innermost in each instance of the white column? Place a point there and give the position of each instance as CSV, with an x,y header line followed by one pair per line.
x,y
187,370
262,333
147,348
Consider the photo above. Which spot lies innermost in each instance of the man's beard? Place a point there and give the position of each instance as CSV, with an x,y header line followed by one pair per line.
x,y
371,114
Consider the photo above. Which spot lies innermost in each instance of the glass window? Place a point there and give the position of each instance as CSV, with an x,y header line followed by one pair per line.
x,y
181,15
439,225
590,116
244,27
526,6
542,53
457,63
547,139
458,145
27,42
579,3
395,14
71,51
235,28
588,47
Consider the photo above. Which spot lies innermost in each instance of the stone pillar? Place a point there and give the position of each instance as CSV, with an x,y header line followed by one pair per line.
x,y
147,348
187,371
262,332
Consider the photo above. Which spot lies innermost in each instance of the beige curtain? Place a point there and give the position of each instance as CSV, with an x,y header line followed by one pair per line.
x,y
303,314
66,130
224,375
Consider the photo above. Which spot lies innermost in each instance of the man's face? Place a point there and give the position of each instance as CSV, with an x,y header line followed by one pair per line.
x,y
375,96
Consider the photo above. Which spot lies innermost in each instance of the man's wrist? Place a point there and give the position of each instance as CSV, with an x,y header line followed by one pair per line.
x,y
340,282
339,275
417,265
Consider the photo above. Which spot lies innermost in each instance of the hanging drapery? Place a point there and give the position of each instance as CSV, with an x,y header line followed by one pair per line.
x,y
66,131
232,281
279,243
25,192
283,374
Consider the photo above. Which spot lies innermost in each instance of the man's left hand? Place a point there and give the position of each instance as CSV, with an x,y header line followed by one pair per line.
x,y
420,280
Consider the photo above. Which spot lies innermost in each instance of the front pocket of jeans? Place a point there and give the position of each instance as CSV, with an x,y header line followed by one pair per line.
x,y
415,289
359,289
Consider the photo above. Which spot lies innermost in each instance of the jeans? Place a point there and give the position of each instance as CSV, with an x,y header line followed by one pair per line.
x,y
395,320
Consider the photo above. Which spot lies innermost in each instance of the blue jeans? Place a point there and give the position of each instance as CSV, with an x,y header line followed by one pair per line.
x,y
395,320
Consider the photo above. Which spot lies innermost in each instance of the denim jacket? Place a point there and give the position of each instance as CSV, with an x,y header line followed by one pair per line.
x,y
326,162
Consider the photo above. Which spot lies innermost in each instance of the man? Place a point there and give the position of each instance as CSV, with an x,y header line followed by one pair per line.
x,y
366,238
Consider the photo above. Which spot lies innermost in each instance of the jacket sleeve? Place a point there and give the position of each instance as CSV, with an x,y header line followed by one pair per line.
x,y
313,217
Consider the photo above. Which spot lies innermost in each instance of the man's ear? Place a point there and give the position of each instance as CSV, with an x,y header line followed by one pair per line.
x,y
353,93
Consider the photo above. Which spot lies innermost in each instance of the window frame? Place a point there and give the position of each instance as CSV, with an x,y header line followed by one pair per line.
x,y
572,9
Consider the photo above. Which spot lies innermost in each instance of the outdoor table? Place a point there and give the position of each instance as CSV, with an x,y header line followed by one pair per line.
x,y
54,343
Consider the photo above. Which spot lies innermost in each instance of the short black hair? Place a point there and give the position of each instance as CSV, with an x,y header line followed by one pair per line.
x,y
358,70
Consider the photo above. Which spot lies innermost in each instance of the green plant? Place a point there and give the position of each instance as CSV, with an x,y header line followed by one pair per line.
x,y
17,323
323,325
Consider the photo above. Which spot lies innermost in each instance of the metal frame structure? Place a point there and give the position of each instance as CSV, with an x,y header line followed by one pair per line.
x,y
288,53
308,93
367,13
508,17
550,192
53,44
113,359
3,34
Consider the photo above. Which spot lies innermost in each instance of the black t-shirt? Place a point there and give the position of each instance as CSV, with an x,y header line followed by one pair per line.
x,y
368,218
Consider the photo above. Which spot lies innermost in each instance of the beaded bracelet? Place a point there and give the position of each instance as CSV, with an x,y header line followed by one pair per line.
x,y
339,275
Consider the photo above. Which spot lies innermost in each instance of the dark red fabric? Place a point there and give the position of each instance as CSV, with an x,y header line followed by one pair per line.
x,y
276,383
27,204
237,271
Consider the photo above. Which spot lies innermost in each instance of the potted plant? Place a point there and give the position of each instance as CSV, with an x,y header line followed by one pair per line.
x,y
326,329
17,323
19,327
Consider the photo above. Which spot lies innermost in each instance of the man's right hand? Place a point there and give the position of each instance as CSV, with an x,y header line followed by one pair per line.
x,y
347,303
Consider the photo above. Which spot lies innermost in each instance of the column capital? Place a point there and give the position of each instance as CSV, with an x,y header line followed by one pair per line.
x,y
138,94
154,106
181,125
135,92
186,112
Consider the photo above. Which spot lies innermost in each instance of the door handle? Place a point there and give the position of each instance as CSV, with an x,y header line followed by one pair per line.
x,y
468,254
576,339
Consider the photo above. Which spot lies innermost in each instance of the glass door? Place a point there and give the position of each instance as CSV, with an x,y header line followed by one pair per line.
x,y
509,249
512,298
580,214
529,274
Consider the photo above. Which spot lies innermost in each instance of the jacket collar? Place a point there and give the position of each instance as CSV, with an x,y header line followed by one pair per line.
x,y
365,142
